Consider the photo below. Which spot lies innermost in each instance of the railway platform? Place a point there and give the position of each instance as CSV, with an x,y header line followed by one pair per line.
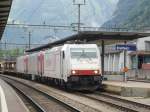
x,y
9,100
128,89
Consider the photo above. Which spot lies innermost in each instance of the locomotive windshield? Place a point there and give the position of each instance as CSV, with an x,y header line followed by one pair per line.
x,y
83,53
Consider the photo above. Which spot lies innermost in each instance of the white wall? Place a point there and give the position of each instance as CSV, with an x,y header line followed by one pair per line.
x,y
115,62
141,43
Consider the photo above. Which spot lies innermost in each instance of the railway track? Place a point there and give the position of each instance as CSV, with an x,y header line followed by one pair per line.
x,y
28,103
42,101
118,103
102,98
76,105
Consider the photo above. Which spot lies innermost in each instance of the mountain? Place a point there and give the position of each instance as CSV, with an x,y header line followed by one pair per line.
x,y
57,12
54,12
131,14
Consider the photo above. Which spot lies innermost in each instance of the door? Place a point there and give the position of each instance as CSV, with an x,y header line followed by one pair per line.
x,y
63,65
40,64
140,61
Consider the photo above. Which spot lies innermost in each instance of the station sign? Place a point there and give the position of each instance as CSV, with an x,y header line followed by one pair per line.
x,y
128,47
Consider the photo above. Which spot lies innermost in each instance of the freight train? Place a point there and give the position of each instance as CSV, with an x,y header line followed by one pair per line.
x,y
73,66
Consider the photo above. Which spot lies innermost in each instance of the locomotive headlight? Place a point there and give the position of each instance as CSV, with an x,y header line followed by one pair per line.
x,y
73,72
96,71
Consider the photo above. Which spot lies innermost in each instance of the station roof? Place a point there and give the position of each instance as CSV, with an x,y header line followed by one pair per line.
x,y
5,6
112,37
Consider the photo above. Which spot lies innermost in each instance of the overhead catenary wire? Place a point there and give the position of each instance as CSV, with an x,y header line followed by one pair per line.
x,y
69,27
18,44
38,26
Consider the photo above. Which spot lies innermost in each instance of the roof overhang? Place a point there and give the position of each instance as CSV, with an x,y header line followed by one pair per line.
x,y
5,6
140,53
109,37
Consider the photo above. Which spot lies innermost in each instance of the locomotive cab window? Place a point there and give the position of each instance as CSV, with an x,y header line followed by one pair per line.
x,y
83,53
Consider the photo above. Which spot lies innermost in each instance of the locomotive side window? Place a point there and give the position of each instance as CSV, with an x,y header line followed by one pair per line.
x,y
63,54
83,53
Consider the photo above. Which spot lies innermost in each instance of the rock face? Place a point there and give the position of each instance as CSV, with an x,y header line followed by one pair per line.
x,y
131,14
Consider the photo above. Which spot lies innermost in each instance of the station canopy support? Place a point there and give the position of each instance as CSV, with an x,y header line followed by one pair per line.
x,y
5,6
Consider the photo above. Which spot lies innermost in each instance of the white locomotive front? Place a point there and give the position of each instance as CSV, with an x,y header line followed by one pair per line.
x,y
84,67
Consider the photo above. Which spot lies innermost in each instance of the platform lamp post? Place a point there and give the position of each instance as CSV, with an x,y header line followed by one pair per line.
x,y
79,3
125,63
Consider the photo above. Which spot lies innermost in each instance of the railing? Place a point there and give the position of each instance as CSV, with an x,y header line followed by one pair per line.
x,y
139,74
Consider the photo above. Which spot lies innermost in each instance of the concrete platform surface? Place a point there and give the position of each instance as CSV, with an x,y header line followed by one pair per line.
x,y
9,101
128,89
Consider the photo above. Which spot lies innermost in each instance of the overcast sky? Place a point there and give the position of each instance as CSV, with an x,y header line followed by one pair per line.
x,y
54,12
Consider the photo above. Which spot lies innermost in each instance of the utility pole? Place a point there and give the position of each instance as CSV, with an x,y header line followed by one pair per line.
x,y
29,39
79,6
0,45
79,3
5,46
26,29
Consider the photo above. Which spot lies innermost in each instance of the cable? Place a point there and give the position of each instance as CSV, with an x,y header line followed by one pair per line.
x,y
18,44
59,27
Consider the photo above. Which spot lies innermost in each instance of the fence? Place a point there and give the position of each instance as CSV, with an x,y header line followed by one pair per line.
x,y
139,74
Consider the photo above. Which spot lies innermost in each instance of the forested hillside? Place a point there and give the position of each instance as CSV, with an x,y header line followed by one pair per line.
x,y
131,14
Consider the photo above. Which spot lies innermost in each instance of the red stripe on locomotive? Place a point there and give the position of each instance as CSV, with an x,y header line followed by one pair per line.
x,y
85,72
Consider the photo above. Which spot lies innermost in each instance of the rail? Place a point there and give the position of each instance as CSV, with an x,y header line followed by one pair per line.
x,y
39,98
118,103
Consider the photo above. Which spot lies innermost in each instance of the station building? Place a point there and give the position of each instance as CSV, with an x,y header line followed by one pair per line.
x,y
137,61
